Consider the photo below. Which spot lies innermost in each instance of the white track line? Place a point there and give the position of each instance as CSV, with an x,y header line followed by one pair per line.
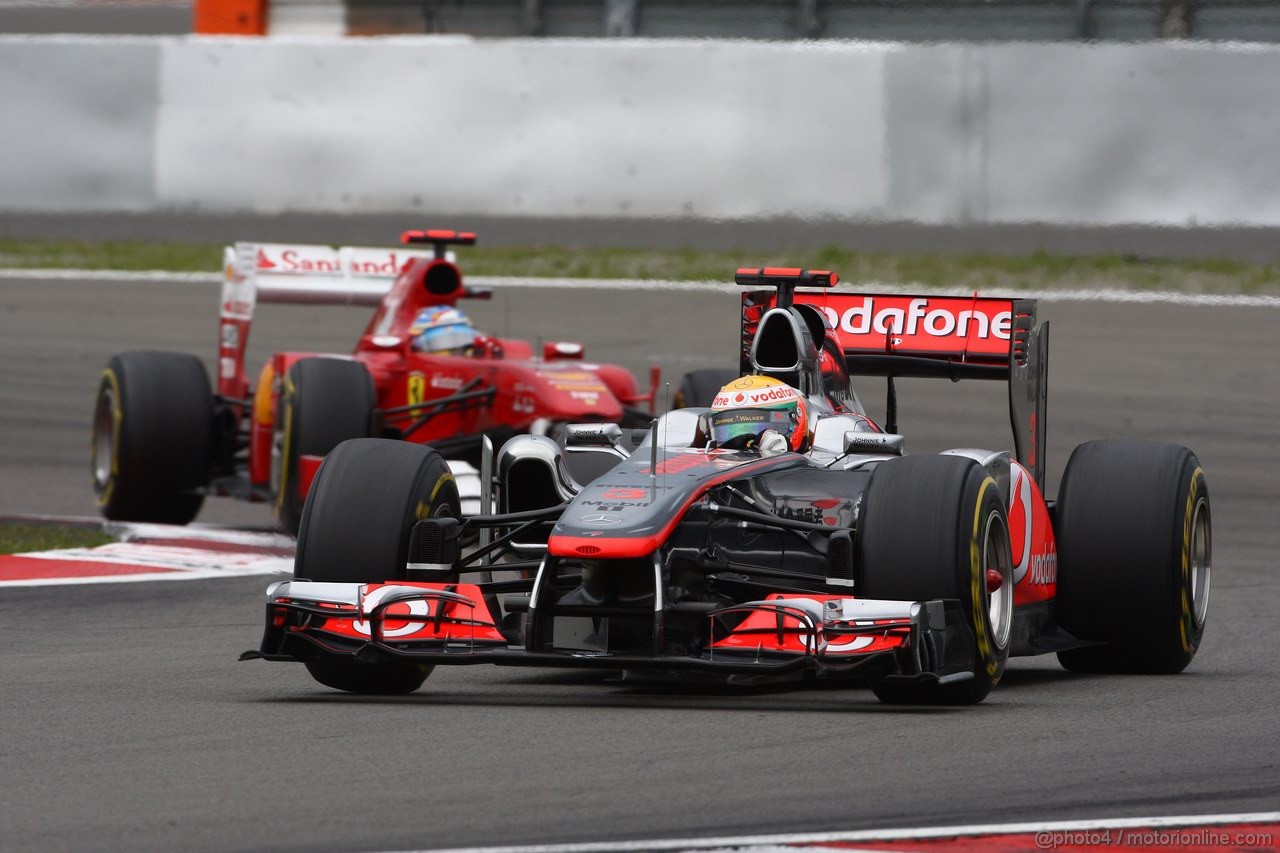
x,y
146,577
872,835
130,531
1150,297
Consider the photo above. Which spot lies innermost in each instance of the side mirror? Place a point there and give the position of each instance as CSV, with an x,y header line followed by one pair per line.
x,y
592,435
553,350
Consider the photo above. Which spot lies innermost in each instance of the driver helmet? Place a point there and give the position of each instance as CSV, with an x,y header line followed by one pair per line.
x,y
745,409
442,329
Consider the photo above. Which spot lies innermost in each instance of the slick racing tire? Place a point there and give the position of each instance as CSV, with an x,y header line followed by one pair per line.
x,y
152,437
324,401
931,527
368,494
1134,553
371,679
698,387
366,498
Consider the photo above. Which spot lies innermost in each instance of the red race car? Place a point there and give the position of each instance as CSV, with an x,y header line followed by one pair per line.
x,y
164,438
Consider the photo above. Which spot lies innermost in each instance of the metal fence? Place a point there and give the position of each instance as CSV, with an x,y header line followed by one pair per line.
x,y
905,20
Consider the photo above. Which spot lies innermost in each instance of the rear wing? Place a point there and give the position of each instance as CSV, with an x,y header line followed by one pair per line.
x,y
298,274
944,337
309,275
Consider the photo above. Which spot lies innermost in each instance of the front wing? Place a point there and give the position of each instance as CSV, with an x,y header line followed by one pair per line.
x,y
440,624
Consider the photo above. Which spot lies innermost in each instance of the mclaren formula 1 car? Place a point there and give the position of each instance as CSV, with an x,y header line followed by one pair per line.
x,y
164,439
672,550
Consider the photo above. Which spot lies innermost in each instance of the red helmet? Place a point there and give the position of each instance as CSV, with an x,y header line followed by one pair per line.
x,y
745,408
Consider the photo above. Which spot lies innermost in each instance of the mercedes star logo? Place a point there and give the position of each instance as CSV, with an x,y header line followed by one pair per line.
x,y
600,519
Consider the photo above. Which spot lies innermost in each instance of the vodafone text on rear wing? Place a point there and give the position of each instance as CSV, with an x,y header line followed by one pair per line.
x,y
951,337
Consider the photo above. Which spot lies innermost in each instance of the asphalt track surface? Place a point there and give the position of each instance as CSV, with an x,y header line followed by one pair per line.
x,y
128,724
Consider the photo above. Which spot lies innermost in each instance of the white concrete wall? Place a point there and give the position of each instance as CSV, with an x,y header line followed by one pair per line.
x,y
1118,133
77,123
546,128
1160,133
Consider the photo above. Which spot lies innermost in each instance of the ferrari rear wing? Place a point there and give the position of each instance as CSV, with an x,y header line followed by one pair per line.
x,y
943,337
309,275
297,274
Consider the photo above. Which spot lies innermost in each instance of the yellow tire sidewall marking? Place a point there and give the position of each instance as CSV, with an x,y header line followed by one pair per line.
x,y
1186,619
423,510
286,403
977,584
117,419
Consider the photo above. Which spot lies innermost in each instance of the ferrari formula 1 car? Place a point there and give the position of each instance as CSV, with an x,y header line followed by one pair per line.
x,y
812,548
163,439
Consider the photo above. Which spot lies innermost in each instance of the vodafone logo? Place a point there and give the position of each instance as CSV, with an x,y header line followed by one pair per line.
x,y
758,397
940,318
777,394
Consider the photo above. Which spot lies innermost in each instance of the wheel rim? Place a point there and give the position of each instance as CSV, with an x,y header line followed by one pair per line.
x,y
1201,556
277,456
104,437
996,555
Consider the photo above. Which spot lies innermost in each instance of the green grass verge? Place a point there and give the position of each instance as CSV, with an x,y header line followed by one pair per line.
x,y
980,271
19,538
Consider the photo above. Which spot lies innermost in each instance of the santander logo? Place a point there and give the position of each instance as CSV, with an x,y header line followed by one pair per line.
x,y
388,264
378,263
292,260
937,318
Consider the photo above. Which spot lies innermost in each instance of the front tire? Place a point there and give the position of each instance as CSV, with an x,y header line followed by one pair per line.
x,y
355,528
932,527
152,437
369,679
366,498
324,401
1134,556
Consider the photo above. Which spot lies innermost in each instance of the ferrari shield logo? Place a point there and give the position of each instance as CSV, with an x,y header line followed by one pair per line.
x,y
417,392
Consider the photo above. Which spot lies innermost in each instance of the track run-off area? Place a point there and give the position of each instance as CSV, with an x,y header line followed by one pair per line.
x,y
129,724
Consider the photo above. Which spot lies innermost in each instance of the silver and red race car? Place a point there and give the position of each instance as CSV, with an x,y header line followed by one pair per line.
x,y
722,543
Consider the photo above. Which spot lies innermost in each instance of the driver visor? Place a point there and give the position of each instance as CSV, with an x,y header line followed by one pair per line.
x,y
446,338
730,427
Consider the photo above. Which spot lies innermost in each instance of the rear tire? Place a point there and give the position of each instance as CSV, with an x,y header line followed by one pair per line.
x,y
355,528
1134,556
325,401
698,387
930,528
152,437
